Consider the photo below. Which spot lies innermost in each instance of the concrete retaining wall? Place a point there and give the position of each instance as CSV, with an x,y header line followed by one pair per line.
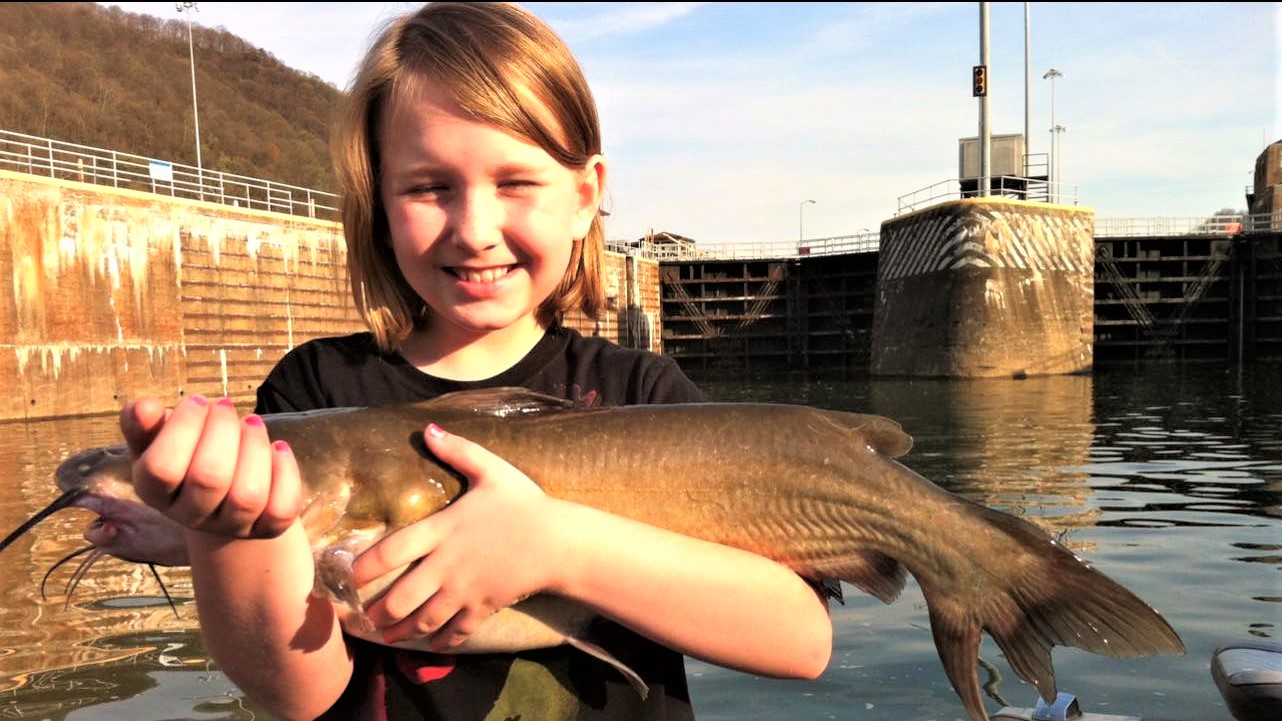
x,y
109,294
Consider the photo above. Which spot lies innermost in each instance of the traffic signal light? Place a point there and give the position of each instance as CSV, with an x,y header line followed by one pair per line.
x,y
979,84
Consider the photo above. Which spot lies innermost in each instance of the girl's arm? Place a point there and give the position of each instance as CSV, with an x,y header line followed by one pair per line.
x,y
239,497
504,539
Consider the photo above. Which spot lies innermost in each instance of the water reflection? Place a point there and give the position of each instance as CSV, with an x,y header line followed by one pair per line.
x,y
170,677
1009,444
116,650
1168,481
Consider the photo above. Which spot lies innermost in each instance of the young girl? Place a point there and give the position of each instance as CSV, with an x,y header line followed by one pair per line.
x,y
472,175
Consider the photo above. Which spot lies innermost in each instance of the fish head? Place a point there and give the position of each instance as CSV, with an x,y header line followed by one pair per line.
x,y
102,470
125,527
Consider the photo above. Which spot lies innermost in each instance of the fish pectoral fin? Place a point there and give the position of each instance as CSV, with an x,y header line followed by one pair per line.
x,y
599,653
873,572
334,580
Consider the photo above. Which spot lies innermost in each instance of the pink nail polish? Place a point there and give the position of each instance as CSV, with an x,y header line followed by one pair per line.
x,y
226,403
435,431
199,399
281,447
255,421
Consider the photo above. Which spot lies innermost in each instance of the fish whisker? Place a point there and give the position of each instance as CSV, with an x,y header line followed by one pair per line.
x,y
79,573
45,581
156,575
95,554
59,503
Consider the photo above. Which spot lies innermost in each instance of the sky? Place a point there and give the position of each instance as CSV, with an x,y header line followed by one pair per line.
x,y
720,120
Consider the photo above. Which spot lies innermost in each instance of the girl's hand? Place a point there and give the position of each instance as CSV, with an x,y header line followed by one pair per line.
x,y
493,547
206,468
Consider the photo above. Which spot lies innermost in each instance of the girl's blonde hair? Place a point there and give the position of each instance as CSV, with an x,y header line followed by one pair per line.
x,y
504,67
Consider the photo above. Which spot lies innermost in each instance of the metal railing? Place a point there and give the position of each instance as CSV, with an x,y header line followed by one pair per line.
x,y
69,161
1002,186
1224,225
865,242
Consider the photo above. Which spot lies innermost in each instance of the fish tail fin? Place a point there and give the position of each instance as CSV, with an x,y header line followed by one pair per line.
x,y
1051,598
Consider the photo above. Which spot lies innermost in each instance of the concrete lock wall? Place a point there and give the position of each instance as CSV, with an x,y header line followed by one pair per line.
x,y
985,287
110,294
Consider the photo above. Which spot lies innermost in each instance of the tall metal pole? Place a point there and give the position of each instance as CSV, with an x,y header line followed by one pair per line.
x,y
1050,172
1028,88
186,8
985,140
1059,156
801,219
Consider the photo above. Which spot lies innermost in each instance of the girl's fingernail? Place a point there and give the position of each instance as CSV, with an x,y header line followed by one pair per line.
x,y
198,399
255,421
435,431
226,403
281,447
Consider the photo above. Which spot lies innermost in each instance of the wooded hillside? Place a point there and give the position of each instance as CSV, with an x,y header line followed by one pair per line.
x,y
92,75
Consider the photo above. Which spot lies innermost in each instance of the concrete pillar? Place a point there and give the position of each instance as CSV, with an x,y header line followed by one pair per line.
x,y
985,288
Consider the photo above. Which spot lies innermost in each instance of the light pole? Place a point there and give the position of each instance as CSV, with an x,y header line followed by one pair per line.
x,y
801,219
1050,172
1028,92
985,185
186,8
1057,131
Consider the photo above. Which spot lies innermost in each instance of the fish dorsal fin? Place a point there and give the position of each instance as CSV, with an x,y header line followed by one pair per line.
x,y
504,402
880,433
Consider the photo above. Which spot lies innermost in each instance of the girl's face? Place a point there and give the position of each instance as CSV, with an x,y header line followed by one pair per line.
x,y
482,222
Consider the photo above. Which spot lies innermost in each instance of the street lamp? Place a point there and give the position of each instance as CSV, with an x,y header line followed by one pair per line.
x,y
1057,131
186,8
1051,75
801,219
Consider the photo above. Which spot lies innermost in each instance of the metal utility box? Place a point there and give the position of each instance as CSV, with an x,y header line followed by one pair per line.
x,y
1006,156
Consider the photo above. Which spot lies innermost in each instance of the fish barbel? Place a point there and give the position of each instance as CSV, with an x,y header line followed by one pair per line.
x,y
817,490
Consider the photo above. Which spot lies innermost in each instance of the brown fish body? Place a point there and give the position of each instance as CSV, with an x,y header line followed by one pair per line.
x,y
816,490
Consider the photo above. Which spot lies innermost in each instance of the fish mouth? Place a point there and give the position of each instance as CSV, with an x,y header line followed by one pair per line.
x,y
103,532
101,528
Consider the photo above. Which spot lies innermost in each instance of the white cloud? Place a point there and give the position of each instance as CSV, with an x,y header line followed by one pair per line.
x,y
591,21
719,118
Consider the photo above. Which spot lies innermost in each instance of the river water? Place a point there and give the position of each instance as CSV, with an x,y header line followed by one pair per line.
x,y
1169,481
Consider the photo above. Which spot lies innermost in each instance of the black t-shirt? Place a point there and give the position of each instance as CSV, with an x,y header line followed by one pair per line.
x,y
552,684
